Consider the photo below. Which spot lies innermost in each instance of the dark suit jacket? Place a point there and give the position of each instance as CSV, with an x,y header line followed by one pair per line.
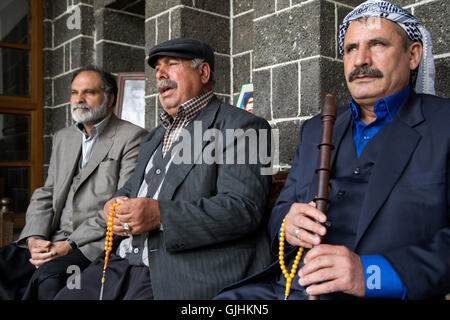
x,y
405,216
213,215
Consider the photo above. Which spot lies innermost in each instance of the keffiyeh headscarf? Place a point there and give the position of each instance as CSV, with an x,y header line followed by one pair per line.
x,y
413,28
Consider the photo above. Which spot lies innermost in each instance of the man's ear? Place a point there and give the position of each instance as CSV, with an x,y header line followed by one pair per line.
x,y
205,72
111,97
415,54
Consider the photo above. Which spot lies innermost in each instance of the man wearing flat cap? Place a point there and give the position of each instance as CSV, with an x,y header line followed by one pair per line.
x,y
184,229
387,229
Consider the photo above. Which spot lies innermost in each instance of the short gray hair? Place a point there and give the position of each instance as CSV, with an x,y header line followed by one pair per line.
x,y
108,80
198,61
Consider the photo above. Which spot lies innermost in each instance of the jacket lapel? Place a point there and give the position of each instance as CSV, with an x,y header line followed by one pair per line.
x,y
396,150
101,149
70,158
195,129
339,129
147,149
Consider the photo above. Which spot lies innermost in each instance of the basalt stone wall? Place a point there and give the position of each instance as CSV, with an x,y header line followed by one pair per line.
x,y
286,48
109,34
295,58
295,63
205,20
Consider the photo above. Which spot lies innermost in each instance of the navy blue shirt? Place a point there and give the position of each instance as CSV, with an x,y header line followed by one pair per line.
x,y
385,110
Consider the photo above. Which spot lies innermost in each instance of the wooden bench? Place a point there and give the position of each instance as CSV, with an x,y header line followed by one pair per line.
x,y
6,222
278,181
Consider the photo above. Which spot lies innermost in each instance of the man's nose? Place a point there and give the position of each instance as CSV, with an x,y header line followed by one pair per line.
x,y
161,73
79,97
363,57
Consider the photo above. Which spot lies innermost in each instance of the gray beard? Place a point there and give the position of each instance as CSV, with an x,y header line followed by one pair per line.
x,y
84,114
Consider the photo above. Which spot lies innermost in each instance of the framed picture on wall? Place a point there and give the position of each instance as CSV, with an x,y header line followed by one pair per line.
x,y
130,103
245,99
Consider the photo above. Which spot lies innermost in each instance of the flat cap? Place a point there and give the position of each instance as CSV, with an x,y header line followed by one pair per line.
x,y
185,48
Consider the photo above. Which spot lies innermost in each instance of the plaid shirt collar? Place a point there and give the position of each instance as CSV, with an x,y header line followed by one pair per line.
x,y
186,112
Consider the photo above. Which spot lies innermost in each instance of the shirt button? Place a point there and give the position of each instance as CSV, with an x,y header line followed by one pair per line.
x,y
136,250
341,193
158,171
356,171
366,137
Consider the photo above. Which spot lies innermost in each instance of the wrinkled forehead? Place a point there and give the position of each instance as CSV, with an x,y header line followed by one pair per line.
x,y
370,22
87,78
370,25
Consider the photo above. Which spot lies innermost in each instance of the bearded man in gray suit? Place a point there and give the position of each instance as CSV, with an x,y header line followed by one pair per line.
x,y
189,226
64,225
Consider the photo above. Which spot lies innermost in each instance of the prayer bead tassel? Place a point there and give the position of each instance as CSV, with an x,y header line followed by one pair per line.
x,y
289,276
108,243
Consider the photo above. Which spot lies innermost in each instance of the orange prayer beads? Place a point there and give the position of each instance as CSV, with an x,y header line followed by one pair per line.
x,y
289,276
108,243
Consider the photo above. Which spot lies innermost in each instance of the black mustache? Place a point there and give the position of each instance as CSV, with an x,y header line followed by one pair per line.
x,y
364,71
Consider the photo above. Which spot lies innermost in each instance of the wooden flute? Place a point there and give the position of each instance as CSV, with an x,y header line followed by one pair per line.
x,y
325,146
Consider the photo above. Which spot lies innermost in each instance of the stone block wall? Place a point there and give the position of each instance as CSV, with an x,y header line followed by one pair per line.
x,y
82,32
205,20
295,59
295,63
287,48
435,17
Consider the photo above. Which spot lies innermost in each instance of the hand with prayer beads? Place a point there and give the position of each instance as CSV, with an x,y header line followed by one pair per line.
x,y
330,268
301,225
327,268
117,225
140,214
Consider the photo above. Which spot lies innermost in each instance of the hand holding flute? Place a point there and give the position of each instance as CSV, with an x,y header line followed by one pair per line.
x,y
327,268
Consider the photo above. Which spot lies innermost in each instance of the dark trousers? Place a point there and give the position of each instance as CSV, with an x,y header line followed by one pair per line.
x,y
19,279
123,282
269,287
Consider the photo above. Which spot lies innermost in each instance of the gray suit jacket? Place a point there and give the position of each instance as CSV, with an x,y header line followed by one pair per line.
x,y
213,215
111,164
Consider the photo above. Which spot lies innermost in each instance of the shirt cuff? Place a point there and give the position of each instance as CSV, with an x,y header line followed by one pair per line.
x,y
381,280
